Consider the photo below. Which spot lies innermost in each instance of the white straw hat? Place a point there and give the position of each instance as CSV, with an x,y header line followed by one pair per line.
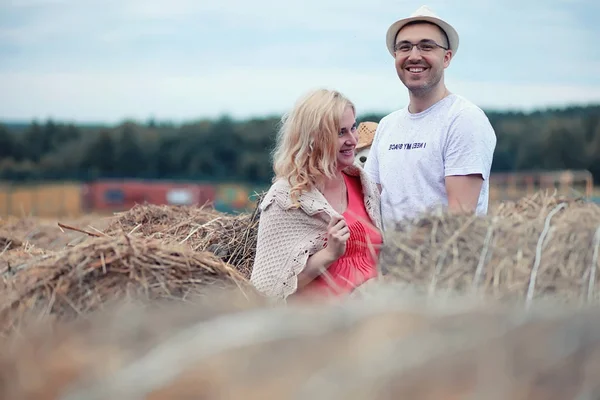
x,y
424,13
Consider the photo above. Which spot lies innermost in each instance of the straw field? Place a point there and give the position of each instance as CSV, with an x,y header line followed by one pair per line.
x,y
155,303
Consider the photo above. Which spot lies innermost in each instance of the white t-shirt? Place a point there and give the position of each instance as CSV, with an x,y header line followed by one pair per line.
x,y
411,155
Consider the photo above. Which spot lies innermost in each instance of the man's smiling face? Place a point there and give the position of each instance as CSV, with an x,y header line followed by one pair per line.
x,y
421,70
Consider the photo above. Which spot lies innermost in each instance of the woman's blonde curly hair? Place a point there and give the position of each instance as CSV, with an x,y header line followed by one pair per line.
x,y
306,148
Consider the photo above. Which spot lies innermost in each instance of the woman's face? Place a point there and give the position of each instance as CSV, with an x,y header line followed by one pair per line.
x,y
347,139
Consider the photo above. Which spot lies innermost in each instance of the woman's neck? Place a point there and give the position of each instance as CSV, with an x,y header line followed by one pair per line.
x,y
334,183
336,193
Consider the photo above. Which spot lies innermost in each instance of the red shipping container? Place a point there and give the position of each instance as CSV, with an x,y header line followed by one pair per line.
x,y
119,195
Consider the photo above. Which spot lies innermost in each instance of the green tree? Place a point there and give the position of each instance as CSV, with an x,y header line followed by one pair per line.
x,y
130,160
33,142
100,158
6,143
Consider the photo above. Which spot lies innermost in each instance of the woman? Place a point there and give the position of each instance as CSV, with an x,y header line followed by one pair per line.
x,y
319,228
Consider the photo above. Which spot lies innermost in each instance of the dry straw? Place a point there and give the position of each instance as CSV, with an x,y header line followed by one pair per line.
x,y
18,257
384,347
543,246
42,233
231,237
215,339
107,269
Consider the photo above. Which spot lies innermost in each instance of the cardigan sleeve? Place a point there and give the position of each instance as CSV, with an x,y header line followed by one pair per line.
x,y
286,239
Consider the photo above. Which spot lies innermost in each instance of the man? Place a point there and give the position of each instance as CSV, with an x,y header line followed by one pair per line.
x,y
438,150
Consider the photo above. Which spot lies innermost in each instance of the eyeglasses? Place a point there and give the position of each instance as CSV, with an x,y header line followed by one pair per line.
x,y
424,46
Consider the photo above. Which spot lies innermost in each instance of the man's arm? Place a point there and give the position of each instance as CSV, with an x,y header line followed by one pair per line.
x,y
468,158
463,192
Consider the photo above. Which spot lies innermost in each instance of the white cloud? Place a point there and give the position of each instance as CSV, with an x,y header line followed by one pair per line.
x,y
242,93
48,21
48,18
35,3
187,58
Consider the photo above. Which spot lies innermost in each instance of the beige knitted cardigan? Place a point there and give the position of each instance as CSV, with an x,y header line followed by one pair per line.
x,y
287,236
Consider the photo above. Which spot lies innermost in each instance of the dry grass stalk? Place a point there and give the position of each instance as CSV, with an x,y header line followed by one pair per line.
x,y
231,237
102,270
541,246
18,257
383,347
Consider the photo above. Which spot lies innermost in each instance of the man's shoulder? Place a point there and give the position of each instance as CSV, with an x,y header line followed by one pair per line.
x,y
463,107
468,121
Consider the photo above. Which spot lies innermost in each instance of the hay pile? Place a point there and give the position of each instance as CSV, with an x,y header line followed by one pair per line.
x,y
540,247
231,237
387,347
101,270
45,233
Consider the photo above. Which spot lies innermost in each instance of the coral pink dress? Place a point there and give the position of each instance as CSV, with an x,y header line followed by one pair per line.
x,y
359,262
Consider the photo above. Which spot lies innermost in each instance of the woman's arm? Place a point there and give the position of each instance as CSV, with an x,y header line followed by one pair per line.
x,y
279,250
315,266
282,249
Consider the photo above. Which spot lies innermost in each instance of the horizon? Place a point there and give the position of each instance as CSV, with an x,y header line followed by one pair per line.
x,y
192,120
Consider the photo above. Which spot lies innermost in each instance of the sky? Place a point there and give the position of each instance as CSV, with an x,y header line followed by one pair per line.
x,y
182,60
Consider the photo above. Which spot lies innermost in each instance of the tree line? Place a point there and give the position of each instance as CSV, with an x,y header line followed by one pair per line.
x,y
224,149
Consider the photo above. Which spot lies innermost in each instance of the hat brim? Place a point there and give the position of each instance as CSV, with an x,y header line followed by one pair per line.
x,y
396,26
366,134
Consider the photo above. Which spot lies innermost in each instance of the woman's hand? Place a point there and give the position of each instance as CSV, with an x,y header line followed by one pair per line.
x,y
338,234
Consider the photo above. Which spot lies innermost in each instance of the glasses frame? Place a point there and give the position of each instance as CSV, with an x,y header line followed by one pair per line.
x,y
422,42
